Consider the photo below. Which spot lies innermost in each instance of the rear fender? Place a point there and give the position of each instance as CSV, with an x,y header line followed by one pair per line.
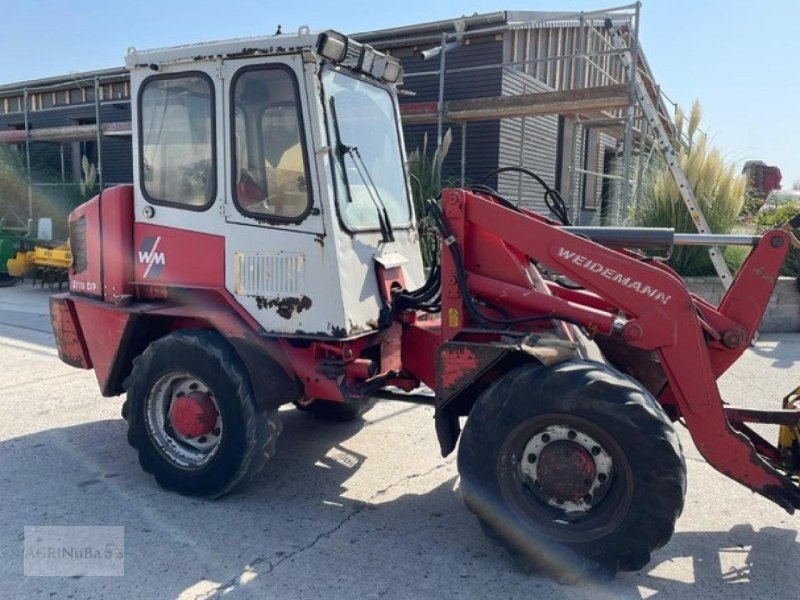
x,y
120,334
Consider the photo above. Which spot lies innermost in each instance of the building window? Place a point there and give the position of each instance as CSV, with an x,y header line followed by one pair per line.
x,y
270,178
176,133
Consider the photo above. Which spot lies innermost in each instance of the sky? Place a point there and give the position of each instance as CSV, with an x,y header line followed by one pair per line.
x,y
740,59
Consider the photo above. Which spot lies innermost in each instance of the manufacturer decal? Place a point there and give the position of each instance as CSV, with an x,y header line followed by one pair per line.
x,y
150,255
599,269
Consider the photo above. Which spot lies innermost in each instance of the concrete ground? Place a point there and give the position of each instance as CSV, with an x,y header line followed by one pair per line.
x,y
362,510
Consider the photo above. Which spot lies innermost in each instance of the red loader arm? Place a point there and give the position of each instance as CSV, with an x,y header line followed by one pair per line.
x,y
643,300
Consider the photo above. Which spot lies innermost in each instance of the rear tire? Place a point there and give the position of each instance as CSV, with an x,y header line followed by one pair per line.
x,y
574,467
341,412
211,464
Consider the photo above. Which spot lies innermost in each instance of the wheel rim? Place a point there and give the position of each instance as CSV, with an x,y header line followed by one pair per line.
x,y
183,419
566,476
567,469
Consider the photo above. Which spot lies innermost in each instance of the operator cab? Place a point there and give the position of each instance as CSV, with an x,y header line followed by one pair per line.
x,y
273,168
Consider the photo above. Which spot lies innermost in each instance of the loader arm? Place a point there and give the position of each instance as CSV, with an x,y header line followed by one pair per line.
x,y
652,309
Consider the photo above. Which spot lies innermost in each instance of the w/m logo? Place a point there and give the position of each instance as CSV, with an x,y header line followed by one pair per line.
x,y
149,255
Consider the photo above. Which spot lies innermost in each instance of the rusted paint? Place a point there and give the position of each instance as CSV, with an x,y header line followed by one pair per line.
x,y
69,341
338,332
355,329
286,306
456,364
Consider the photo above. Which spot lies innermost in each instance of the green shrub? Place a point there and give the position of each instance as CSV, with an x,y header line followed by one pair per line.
x,y
426,176
773,219
13,187
54,201
719,190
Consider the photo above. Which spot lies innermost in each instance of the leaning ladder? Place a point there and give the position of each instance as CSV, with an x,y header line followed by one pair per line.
x,y
664,144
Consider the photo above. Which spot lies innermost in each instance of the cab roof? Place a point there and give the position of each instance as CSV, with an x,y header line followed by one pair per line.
x,y
239,47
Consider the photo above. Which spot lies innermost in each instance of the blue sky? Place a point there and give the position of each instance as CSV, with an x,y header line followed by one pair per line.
x,y
741,59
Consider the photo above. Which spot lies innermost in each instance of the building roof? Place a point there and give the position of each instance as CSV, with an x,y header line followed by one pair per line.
x,y
485,23
249,46
81,79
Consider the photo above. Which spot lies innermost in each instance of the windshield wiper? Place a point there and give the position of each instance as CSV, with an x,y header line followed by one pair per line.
x,y
385,225
376,200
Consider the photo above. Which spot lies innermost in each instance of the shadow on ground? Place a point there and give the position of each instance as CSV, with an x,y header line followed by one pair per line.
x,y
782,353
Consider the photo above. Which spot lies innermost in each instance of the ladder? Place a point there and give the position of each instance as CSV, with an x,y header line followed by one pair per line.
x,y
665,146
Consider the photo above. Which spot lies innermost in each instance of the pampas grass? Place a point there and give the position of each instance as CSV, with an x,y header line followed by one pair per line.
x,y
719,190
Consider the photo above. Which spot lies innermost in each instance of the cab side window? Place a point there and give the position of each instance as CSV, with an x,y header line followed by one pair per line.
x,y
270,179
177,142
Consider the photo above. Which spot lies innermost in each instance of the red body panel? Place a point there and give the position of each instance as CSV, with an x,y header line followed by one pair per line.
x,y
69,336
420,349
102,231
177,258
103,330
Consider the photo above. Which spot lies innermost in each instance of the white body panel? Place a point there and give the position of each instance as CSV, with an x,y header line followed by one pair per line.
x,y
309,279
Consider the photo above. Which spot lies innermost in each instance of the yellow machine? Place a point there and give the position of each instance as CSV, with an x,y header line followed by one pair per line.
x,y
789,439
49,265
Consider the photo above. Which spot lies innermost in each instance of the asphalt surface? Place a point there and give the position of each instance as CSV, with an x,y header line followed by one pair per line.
x,y
360,510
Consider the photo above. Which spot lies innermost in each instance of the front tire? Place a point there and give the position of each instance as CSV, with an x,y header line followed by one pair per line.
x,y
192,417
575,467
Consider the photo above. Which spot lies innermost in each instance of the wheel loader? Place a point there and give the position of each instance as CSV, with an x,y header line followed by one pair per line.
x,y
267,254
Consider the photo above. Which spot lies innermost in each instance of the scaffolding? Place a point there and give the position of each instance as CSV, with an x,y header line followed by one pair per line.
x,y
30,99
569,53
573,56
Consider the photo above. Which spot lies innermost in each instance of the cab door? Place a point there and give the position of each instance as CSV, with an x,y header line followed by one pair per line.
x,y
278,264
272,170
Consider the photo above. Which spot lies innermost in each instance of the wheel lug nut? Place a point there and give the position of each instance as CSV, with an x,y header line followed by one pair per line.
x,y
531,458
546,438
216,431
571,435
587,498
202,439
595,450
602,477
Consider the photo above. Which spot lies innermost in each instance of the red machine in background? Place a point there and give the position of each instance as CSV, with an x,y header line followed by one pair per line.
x,y
761,178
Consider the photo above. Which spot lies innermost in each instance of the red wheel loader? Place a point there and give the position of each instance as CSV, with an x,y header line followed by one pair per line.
x,y
267,253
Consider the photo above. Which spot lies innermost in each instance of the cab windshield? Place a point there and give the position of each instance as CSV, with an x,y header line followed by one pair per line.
x,y
368,161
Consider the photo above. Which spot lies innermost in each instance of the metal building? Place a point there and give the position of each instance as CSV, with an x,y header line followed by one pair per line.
x,y
540,90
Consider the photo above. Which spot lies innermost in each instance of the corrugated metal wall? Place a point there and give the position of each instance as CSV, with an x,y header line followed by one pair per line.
x,y
482,136
529,142
549,54
117,163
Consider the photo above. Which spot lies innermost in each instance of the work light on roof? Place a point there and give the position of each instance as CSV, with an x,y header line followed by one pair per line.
x,y
366,61
393,71
333,46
